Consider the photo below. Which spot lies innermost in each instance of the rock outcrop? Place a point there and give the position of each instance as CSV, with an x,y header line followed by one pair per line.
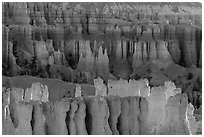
x,y
55,115
74,116
101,89
98,115
105,115
37,92
176,120
101,68
60,34
193,124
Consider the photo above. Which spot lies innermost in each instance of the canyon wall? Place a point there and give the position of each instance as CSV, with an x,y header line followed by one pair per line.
x,y
108,36
78,42
101,68
157,113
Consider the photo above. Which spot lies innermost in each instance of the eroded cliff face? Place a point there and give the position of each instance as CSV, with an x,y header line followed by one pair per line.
x,y
77,42
163,111
73,116
101,68
105,35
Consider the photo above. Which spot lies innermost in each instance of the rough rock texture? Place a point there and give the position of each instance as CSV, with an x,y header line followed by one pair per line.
x,y
19,112
24,116
7,125
193,124
39,127
114,105
157,101
66,46
65,89
79,117
176,120
71,124
125,88
78,91
96,115
110,33
37,92
124,119
101,89
55,115
144,110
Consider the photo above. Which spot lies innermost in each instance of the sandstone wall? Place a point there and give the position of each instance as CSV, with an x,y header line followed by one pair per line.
x,y
109,34
99,115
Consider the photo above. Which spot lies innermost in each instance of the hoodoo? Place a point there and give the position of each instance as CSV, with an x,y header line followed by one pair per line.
x,y
101,68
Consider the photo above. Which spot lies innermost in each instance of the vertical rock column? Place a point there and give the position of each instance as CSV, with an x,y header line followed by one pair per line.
x,y
137,61
14,68
174,49
24,111
39,119
40,50
55,115
70,121
21,112
156,101
153,51
190,53
123,126
175,122
193,125
5,46
79,117
144,52
134,112
97,116
102,63
162,51
101,89
133,117
200,60
7,124
86,60
118,52
144,88
114,105
144,110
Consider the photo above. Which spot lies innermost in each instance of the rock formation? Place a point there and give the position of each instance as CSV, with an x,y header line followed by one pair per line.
x,y
98,115
39,127
114,105
79,118
156,100
166,38
101,68
77,91
55,115
101,89
193,125
37,92
8,127
176,120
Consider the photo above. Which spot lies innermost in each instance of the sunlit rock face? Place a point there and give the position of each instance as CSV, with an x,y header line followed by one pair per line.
x,y
99,115
135,38
176,120
101,68
37,92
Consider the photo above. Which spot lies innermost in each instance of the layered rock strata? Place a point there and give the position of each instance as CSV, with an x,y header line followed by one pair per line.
x,y
59,34
96,115
143,45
